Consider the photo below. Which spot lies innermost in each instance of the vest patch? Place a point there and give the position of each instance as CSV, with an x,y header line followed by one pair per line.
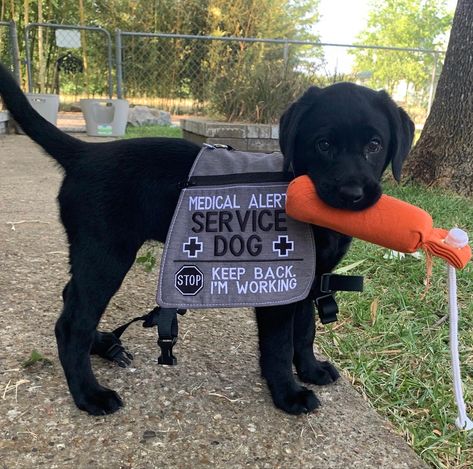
x,y
233,245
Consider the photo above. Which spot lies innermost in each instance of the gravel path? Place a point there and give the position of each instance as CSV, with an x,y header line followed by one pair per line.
x,y
212,410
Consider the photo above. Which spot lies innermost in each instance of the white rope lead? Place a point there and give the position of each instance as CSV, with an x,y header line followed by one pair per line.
x,y
457,238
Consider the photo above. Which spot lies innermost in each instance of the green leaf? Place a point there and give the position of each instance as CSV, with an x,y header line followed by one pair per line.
x,y
36,357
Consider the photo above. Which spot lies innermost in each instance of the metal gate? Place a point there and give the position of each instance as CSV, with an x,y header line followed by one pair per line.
x,y
70,60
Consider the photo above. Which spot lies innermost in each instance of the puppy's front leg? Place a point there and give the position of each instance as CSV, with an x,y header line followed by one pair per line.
x,y
275,328
309,369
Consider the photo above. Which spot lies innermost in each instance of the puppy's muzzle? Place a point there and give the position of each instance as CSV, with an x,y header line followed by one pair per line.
x,y
351,193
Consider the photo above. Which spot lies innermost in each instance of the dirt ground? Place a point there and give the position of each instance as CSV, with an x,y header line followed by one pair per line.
x,y
212,410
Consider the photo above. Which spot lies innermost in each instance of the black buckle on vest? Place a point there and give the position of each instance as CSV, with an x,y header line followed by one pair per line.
x,y
329,283
168,331
327,308
166,357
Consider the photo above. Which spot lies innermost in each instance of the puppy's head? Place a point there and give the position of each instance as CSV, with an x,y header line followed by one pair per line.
x,y
344,136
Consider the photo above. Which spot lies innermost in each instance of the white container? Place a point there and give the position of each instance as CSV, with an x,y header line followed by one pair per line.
x,y
105,117
45,104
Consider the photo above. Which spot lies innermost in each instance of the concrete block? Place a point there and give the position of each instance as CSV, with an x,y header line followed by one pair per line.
x,y
259,131
194,138
244,137
265,131
224,130
263,145
252,131
194,125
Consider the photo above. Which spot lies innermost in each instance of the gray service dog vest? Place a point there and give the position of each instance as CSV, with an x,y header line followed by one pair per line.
x,y
230,242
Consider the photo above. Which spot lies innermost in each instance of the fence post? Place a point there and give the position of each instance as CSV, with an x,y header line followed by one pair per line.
x,y
29,72
15,51
286,52
118,62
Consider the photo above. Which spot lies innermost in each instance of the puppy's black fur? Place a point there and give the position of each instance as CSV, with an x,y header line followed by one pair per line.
x,y
117,195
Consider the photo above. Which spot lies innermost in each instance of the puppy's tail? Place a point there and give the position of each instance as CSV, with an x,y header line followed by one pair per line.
x,y
62,147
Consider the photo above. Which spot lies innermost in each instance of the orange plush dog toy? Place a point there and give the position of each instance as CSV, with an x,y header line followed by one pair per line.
x,y
391,223
395,225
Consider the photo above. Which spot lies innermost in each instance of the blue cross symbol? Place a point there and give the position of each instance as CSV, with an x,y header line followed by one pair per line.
x,y
193,247
283,246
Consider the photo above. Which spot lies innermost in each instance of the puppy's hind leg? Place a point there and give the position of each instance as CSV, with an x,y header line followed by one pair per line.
x,y
309,369
97,273
106,344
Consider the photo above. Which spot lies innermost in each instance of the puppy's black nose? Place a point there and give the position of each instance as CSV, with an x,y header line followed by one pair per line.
x,y
351,193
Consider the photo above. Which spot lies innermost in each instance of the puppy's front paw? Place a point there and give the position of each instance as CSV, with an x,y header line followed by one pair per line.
x,y
318,372
295,401
100,401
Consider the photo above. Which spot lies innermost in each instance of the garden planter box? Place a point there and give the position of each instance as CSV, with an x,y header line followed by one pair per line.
x,y
262,138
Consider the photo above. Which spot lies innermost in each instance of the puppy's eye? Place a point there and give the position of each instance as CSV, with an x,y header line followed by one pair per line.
x,y
374,145
323,145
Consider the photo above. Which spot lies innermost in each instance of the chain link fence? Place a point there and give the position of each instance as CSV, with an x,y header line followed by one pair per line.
x,y
232,78
254,79
70,60
9,54
235,78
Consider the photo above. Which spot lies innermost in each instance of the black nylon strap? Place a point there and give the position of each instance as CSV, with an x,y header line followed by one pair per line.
x,y
168,330
149,320
324,293
335,282
167,323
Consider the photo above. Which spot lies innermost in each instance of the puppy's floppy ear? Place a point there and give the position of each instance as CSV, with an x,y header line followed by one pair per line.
x,y
289,123
402,134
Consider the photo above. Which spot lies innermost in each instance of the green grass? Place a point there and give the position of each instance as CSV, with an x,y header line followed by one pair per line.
x,y
392,343
34,358
153,131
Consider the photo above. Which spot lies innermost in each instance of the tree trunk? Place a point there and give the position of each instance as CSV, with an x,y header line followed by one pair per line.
x,y
26,20
84,44
26,8
83,35
443,156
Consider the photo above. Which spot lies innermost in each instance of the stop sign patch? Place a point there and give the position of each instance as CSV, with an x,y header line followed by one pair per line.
x,y
189,280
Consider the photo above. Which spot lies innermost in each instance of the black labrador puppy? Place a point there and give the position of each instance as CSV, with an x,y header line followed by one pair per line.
x,y
116,195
